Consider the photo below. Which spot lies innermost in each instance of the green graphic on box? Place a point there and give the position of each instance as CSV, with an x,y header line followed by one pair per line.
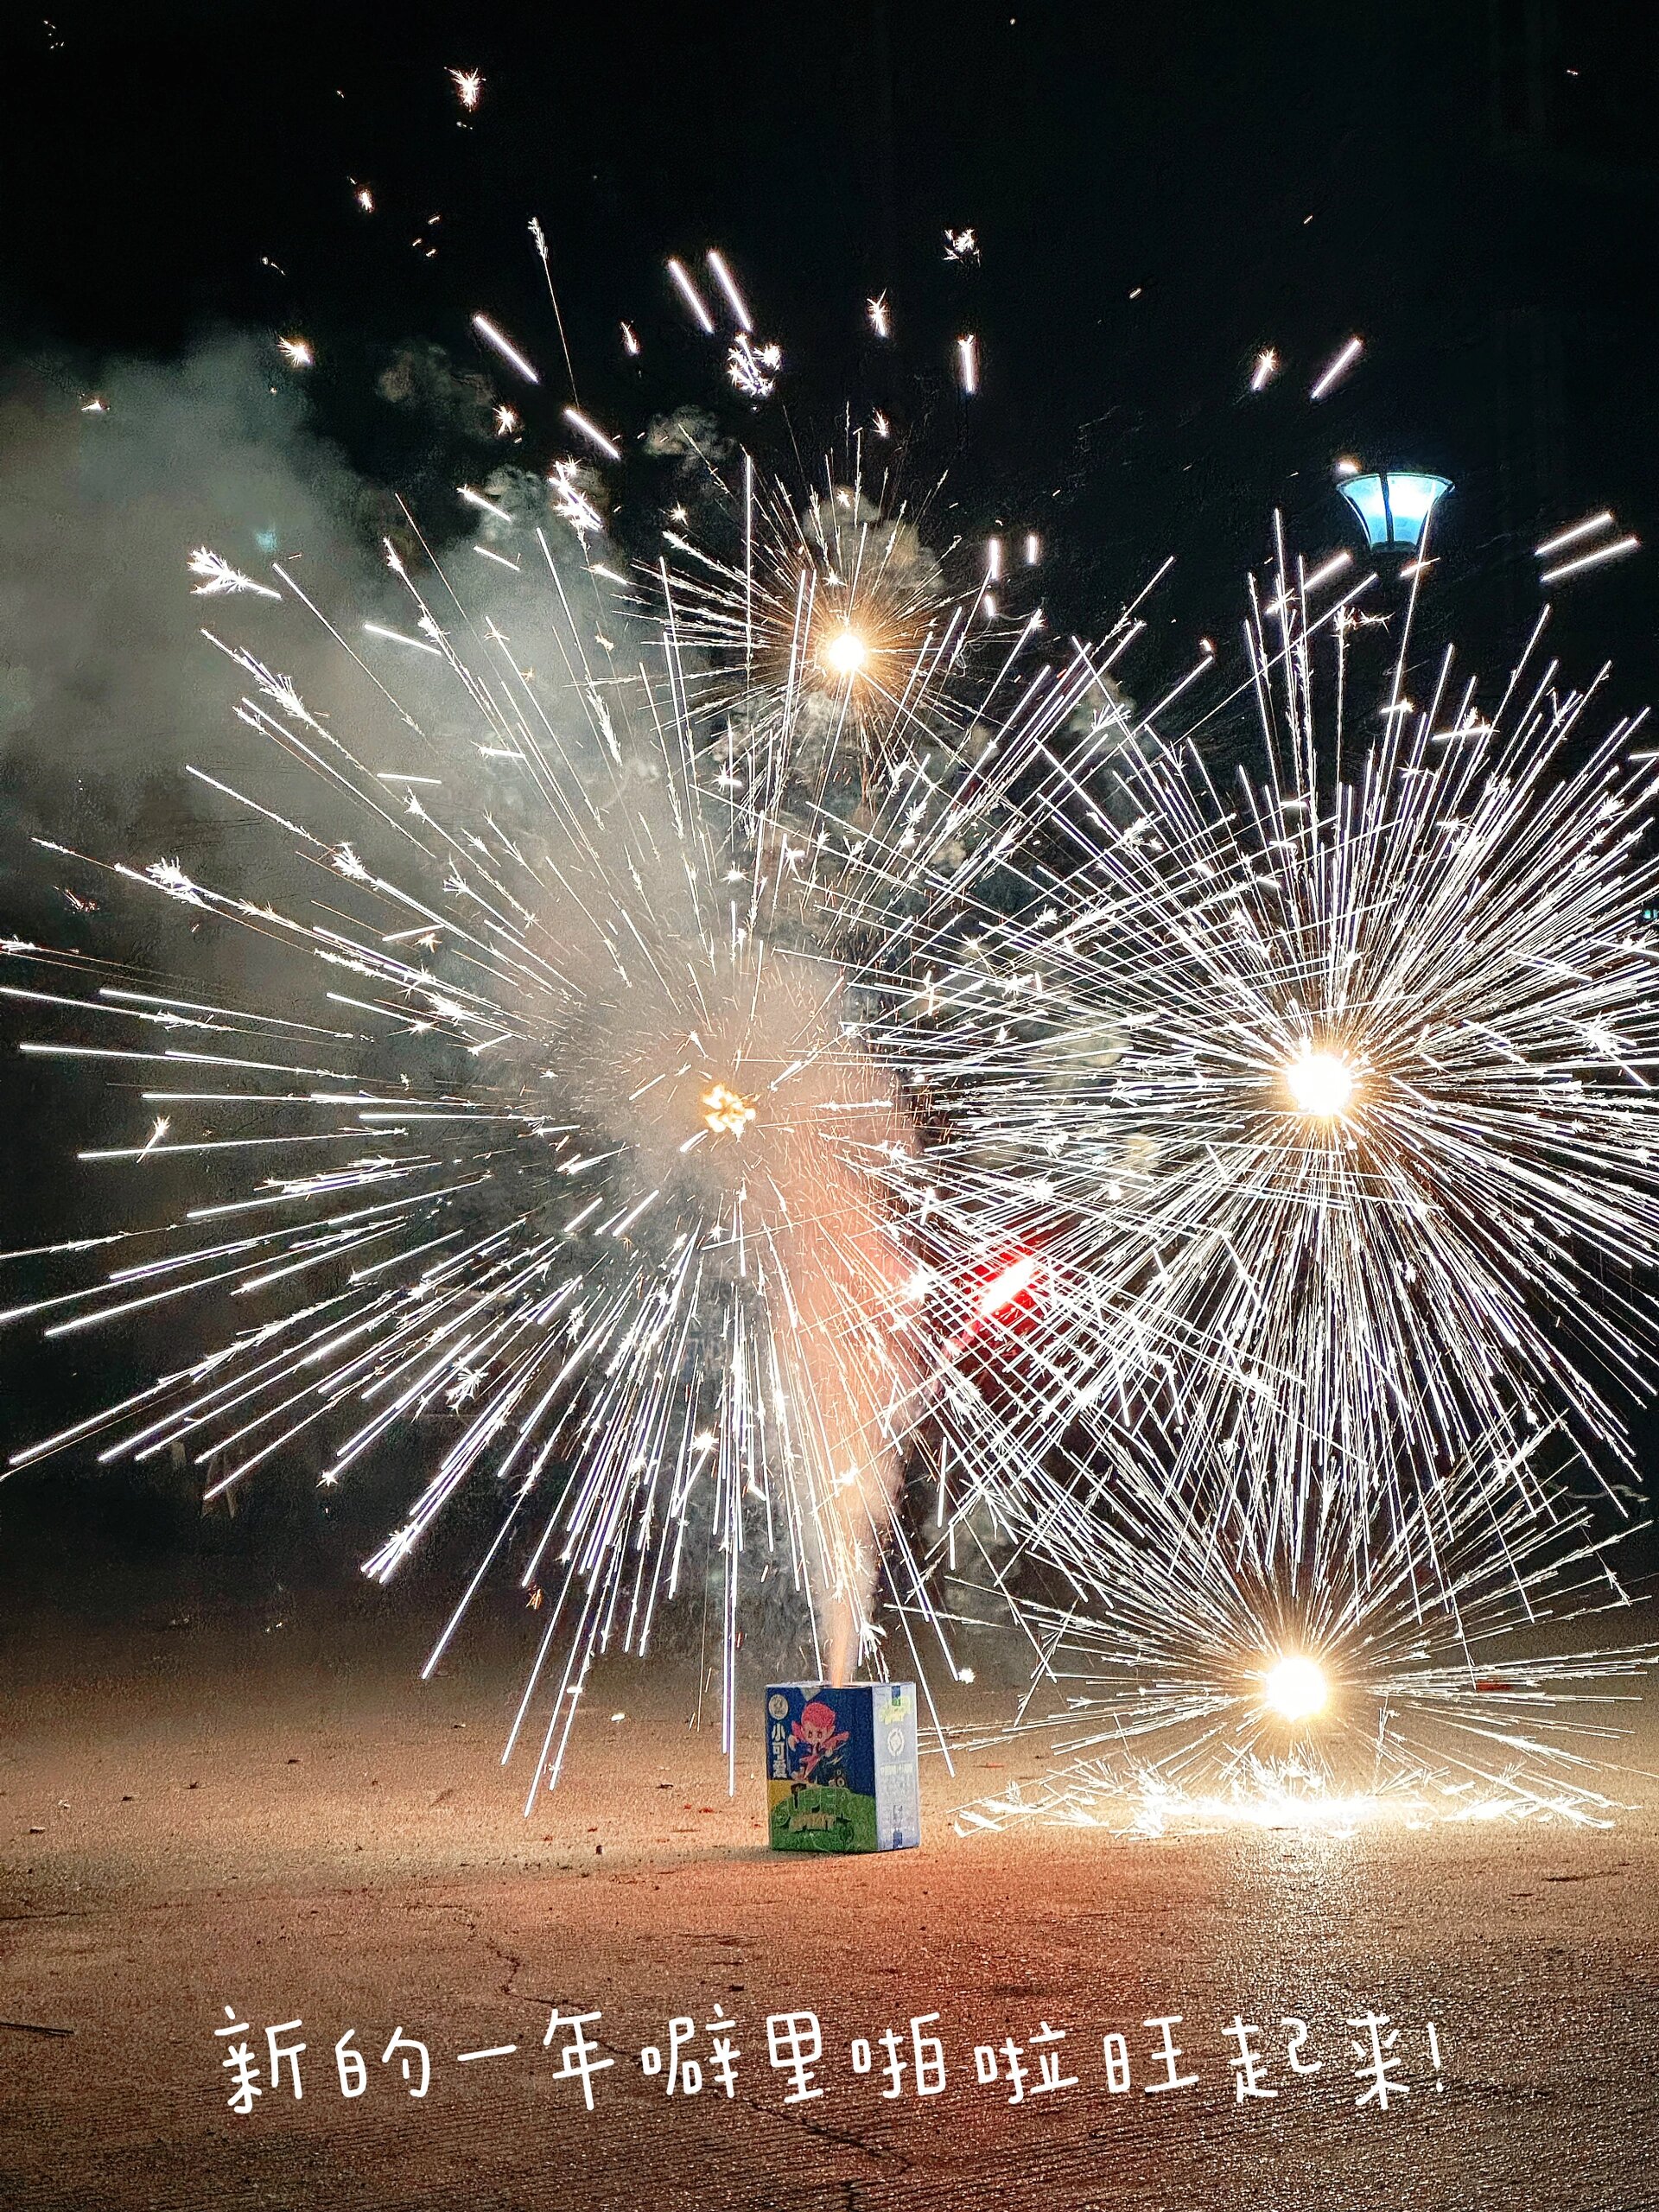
x,y
841,1767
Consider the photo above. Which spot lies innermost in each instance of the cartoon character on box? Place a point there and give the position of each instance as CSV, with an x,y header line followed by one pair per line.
x,y
815,1747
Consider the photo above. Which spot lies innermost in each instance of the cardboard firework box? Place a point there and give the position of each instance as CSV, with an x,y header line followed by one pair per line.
x,y
841,1767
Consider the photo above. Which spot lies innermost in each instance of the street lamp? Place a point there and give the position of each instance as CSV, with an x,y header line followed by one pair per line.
x,y
1393,504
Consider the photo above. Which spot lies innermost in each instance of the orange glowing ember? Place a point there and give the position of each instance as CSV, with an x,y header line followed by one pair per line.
x,y
725,1113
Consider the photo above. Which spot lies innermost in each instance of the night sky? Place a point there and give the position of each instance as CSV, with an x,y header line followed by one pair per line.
x,y
1158,192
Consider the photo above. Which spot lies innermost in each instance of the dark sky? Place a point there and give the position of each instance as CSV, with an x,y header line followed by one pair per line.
x,y
1158,192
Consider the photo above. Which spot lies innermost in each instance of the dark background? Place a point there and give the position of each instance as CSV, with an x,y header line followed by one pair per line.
x,y
1158,192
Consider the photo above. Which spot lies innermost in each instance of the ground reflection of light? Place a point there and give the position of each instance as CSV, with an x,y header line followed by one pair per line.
x,y
1288,1795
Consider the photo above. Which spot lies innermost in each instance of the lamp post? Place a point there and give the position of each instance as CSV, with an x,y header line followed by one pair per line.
x,y
1393,504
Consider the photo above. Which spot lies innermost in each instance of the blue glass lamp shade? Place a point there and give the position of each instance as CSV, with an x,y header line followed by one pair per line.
x,y
1394,505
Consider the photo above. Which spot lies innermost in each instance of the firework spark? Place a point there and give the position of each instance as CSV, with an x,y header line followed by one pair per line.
x,y
754,369
215,576
819,1038
1211,1679
831,653
1330,1093
602,1178
492,335
693,298
1338,367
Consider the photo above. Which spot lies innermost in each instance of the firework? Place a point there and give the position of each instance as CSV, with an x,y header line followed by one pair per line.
x,y
1214,1675
829,647
1325,1094
599,1174
754,369
820,1037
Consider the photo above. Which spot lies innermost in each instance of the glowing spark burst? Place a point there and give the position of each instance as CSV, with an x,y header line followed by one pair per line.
x,y
469,86
880,314
571,502
1320,1083
826,634
298,353
473,1196
754,369
846,654
215,576
725,1113
1295,1689
960,245
1350,1073
1384,1671
1265,369
1140,1156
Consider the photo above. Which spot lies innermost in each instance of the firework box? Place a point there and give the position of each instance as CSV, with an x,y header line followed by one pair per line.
x,y
841,1767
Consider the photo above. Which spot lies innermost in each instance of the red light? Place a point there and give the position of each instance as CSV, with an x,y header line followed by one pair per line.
x,y
1010,1286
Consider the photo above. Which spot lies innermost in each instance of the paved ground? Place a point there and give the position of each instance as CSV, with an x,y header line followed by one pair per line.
x,y
264,1818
